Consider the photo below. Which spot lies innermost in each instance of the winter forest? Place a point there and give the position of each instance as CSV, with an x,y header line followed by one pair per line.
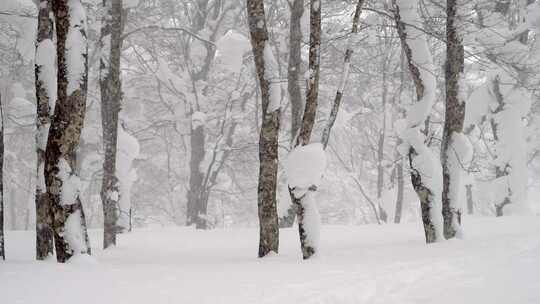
x,y
278,151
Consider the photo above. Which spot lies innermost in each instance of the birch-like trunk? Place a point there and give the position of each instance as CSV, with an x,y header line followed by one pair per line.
x,y
453,124
62,181
268,140
45,79
111,99
426,175
345,74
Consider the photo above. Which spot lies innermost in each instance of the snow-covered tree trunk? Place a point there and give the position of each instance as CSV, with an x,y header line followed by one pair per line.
x,y
425,167
454,144
2,245
268,140
61,178
293,81
45,78
507,112
504,100
303,196
111,99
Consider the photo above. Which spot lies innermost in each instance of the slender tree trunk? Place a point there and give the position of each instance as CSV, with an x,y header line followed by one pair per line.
x,y
380,148
400,190
45,72
268,141
308,121
70,233
194,204
428,191
293,80
345,74
453,124
470,201
2,245
111,99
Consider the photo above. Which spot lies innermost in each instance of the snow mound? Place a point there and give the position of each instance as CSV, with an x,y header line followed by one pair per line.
x,y
305,167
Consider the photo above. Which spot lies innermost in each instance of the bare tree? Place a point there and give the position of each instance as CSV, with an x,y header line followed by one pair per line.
x,y
61,176
45,79
111,99
293,81
308,121
268,140
453,123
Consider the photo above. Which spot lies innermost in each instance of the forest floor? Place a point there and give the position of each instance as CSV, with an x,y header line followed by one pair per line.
x,y
497,262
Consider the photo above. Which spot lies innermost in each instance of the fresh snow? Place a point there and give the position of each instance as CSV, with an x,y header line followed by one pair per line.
x,y
75,46
497,263
46,60
271,74
305,167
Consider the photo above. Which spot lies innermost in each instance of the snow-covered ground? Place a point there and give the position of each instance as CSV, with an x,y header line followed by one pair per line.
x,y
497,262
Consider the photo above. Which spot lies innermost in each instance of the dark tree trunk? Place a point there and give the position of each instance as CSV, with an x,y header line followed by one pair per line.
x,y
70,233
2,245
44,232
268,140
196,187
454,117
295,93
111,99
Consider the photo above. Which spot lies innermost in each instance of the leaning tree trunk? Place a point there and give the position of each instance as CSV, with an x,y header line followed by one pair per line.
x,y
293,81
308,121
2,245
268,140
62,181
45,77
345,74
111,98
426,175
453,124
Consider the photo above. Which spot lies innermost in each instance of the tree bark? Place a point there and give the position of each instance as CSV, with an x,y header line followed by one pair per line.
x,y
427,195
111,99
344,76
268,140
70,233
196,206
308,121
293,81
454,118
43,68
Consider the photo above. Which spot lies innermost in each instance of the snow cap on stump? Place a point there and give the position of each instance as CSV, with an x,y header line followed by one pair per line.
x,y
305,167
